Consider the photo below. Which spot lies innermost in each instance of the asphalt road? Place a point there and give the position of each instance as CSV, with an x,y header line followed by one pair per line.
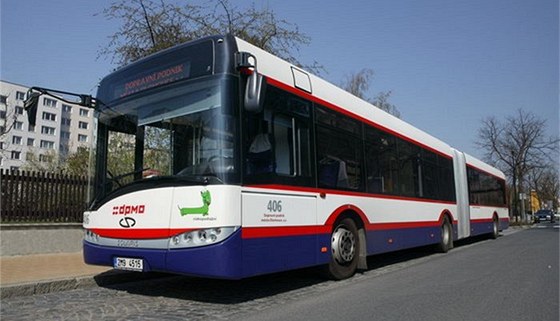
x,y
513,278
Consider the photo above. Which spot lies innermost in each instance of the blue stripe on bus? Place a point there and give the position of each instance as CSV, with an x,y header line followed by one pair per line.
x,y
154,260
504,224
486,227
222,260
275,254
383,241
237,258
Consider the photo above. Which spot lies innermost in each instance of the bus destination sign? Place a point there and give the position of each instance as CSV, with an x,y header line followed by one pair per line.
x,y
152,79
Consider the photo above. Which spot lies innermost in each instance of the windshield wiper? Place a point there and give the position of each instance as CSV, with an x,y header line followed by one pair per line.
x,y
116,179
201,179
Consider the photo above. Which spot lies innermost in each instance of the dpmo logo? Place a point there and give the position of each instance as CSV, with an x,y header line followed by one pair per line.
x,y
128,209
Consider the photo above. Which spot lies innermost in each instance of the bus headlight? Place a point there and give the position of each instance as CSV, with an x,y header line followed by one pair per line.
x,y
201,237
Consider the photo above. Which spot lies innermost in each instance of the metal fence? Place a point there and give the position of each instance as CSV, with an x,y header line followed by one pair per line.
x,y
36,197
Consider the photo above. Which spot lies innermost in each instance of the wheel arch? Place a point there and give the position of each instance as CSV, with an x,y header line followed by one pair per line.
x,y
358,216
447,213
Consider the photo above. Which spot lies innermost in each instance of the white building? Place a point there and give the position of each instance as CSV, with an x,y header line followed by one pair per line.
x,y
60,129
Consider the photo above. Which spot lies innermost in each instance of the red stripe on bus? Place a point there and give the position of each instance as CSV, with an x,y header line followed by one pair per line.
x,y
405,225
132,233
282,231
325,103
486,172
346,193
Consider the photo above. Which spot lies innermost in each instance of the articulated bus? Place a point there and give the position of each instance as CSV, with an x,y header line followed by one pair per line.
x,y
217,159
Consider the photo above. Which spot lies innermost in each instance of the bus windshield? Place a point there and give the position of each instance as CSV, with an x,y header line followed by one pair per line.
x,y
182,132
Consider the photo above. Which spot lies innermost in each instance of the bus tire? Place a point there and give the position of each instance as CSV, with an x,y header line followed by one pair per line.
x,y
446,242
495,228
345,250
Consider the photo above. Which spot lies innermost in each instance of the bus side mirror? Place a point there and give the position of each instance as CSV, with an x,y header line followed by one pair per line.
x,y
254,92
31,101
30,105
256,83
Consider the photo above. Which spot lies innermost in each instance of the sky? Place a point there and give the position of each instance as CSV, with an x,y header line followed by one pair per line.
x,y
449,64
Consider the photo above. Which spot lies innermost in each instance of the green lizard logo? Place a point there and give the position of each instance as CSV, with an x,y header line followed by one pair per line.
x,y
206,200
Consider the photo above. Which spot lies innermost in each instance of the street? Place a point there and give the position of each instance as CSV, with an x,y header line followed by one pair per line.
x,y
515,277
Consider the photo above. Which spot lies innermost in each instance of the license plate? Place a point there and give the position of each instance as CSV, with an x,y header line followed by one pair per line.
x,y
129,264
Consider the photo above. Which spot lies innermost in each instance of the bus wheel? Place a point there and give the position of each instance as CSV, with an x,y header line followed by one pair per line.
x,y
495,228
345,249
446,242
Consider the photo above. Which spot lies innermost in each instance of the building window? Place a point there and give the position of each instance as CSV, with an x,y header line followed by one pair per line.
x,y
16,154
3,99
47,144
49,116
30,142
49,102
47,130
20,95
66,108
82,125
19,110
31,128
82,138
16,140
65,121
2,114
65,134
84,112
18,125
45,158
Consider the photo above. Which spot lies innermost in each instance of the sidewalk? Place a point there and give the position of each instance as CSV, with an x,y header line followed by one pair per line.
x,y
45,273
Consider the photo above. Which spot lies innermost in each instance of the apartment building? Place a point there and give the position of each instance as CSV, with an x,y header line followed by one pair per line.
x,y
61,128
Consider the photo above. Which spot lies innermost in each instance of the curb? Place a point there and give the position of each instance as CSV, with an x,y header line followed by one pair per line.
x,y
104,279
44,287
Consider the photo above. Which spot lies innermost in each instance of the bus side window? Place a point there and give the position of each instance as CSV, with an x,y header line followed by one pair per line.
x,y
259,157
283,143
292,147
381,157
278,146
339,157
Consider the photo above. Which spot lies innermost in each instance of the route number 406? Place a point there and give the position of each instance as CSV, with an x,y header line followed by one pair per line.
x,y
274,206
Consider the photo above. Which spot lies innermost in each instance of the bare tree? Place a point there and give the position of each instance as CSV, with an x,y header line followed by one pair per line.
x,y
517,145
8,121
149,26
545,181
359,84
